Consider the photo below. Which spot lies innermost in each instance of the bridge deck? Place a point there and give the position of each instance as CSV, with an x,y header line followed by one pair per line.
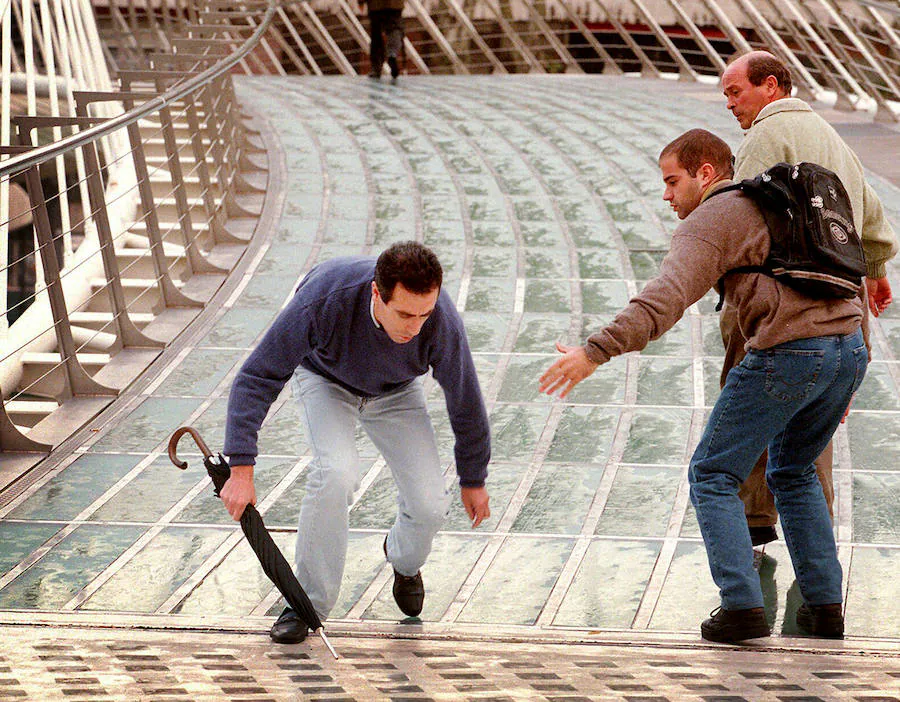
x,y
542,197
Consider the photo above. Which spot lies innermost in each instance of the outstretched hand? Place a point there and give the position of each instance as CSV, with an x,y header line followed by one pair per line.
x,y
568,371
879,294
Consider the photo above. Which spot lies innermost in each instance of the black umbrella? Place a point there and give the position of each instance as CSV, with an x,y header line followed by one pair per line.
x,y
273,562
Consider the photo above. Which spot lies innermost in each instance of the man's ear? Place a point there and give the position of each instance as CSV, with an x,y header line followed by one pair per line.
x,y
773,87
707,173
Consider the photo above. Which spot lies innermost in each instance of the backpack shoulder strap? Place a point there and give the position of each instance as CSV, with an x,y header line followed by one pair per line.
x,y
741,269
720,285
727,188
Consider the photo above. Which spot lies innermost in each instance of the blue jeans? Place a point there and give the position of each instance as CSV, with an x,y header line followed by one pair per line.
x,y
399,426
788,399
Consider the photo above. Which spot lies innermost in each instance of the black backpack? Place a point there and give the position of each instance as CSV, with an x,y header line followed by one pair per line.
x,y
815,248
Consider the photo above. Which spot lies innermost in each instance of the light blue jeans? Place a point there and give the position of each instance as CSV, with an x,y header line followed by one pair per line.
x,y
400,427
789,399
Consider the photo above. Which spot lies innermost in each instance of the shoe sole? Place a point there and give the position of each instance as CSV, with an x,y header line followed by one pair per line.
x,y
811,633
722,637
287,640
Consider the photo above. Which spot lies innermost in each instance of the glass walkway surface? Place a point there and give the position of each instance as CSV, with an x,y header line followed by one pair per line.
x,y
542,197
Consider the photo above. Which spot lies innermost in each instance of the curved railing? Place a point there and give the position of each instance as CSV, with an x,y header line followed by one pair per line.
x,y
169,183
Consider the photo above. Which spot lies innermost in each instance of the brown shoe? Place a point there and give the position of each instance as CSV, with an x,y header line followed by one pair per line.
x,y
731,626
823,621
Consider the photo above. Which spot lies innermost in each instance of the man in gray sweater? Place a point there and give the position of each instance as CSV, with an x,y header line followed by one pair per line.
x,y
781,128
805,359
354,342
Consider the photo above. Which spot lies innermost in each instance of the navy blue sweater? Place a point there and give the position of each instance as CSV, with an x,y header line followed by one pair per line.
x,y
328,329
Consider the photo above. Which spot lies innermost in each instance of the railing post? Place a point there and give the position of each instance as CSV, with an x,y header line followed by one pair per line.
x,y
196,261
608,61
14,441
310,20
439,38
555,43
885,112
698,36
526,53
466,24
313,66
127,334
170,295
646,64
778,46
77,379
685,72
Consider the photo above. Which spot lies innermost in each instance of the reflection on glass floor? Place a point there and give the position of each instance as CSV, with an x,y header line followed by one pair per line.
x,y
543,200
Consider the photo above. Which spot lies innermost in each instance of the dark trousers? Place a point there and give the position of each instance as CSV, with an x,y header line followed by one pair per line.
x,y
384,23
759,502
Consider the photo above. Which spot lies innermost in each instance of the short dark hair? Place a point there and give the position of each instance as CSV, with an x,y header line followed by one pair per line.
x,y
698,146
410,263
762,65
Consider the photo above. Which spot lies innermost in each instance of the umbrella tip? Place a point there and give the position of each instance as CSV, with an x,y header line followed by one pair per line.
x,y
321,632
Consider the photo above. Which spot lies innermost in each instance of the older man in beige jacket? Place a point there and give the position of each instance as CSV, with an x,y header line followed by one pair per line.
x,y
782,128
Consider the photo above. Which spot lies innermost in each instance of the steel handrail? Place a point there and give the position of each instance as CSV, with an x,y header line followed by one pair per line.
x,y
21,162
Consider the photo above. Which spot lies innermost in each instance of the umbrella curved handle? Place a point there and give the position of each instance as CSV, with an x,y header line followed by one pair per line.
x,y
173,445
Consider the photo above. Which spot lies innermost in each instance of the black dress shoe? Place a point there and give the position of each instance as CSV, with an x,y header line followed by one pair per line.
x,y
409,590
288,628
409,593
823,621
395,68
731,626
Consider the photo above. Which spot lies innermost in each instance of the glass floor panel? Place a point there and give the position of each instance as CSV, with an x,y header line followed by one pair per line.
x,y
545,206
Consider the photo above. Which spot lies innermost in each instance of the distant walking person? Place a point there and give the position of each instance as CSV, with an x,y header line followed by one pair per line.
x,y
385,20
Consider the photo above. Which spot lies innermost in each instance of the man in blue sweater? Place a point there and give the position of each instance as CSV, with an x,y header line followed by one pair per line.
x,y
355,341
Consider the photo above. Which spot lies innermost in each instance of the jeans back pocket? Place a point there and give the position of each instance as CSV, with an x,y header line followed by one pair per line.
x,y
792,373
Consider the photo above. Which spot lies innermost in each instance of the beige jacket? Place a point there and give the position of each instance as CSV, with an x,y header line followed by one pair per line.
x,y
723,233
788,130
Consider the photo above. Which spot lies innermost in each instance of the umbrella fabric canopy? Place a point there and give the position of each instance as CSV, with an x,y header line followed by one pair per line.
x,y
270,557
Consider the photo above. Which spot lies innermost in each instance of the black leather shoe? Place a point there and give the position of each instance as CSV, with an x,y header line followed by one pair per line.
x,y
760,536
288,628
731,626
409,591
824,621
395,68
